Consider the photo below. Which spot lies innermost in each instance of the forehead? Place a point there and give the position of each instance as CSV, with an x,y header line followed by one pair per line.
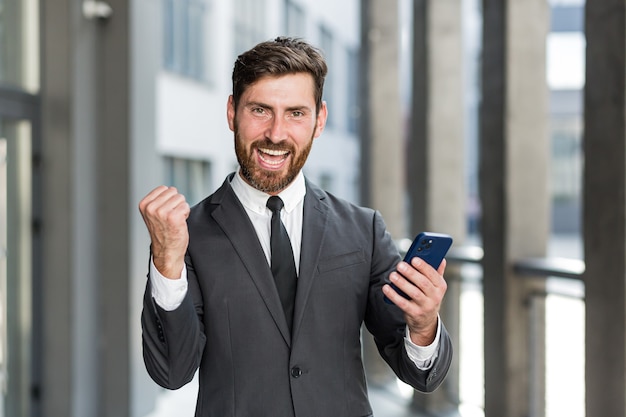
x,y
298,87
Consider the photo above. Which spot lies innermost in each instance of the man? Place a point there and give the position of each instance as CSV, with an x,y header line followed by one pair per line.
x,y
212,301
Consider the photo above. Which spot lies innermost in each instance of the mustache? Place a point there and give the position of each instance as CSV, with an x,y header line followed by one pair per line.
x,y
268,144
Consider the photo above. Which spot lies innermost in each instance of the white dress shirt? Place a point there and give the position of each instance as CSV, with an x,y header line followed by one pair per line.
x,y
169,293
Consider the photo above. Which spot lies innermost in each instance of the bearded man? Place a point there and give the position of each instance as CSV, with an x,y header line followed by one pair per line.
x,y
265,284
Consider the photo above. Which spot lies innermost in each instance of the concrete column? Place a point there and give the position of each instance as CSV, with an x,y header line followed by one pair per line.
x,y
434,159
605,208
514,151
435,144
382,160
383,147
146,172
114,211
56,282
85,271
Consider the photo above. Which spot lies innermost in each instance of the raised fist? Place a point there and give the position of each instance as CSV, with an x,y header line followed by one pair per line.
x,y
165,212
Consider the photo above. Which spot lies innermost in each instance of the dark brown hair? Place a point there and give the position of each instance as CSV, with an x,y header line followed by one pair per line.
x,y
277,57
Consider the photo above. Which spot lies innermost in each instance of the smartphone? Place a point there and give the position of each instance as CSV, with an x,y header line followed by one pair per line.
x,y
430,247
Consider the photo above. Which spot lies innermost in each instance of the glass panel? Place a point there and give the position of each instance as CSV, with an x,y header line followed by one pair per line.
x,y
472,35
169,58
185,29
19,45
294,19
15,268
471,342
327,43
352,93
249,24
565,356
565,73
565,314
191,177
195,39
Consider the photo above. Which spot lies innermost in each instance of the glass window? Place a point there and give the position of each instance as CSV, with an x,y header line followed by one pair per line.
x,y
15,268
352,94
19,46
185,24
327,45
191,177
565,72
169,43
294,20
250,23
472,35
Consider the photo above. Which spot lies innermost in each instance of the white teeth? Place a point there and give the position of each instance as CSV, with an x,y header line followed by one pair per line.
x,y
271,162
268,162
273,152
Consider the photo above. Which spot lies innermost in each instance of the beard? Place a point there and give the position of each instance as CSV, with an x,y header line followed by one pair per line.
x,y
271,182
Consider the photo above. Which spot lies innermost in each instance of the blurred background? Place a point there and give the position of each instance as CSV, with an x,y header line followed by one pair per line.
x,y
500,122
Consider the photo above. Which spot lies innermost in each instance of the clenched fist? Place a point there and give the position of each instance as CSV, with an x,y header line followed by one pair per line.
x,y
165,212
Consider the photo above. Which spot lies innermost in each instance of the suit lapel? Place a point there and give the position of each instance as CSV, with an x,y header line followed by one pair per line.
x,y
231,216
314,219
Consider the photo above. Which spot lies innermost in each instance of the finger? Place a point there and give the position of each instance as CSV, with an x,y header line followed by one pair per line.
x,y
169,202
442,267
396,298
434,276
151,197
414,287
413,276
430,282
165,196
415,310
163,201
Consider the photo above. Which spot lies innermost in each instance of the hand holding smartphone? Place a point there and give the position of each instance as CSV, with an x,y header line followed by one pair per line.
x,y
430,247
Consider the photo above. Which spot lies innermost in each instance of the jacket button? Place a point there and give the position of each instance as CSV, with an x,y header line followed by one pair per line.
x,y
296,372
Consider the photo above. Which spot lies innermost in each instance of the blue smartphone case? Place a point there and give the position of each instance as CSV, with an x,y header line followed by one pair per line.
x,y
430,247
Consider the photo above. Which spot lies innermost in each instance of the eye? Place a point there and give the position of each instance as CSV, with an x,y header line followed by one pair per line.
x,y
297,113
258,110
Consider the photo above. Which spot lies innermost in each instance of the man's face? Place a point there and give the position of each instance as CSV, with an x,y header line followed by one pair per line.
x,y
274,125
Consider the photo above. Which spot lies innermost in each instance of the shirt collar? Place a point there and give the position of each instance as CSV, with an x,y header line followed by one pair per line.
x,y
256,200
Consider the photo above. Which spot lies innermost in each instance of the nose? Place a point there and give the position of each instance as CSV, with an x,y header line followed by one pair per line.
x,y
277,131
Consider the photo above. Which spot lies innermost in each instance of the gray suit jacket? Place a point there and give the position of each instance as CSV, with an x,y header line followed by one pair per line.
x,y
232,326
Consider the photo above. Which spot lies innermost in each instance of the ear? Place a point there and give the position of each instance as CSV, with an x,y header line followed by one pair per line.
x,y
230,113
320,122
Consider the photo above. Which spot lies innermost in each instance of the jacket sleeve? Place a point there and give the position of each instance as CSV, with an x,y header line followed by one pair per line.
x,y
173,341
387,324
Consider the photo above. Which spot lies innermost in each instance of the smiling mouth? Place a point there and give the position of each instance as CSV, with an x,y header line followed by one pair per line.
x,y
272,156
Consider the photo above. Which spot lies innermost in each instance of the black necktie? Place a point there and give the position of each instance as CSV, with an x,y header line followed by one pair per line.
x,y
283,265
